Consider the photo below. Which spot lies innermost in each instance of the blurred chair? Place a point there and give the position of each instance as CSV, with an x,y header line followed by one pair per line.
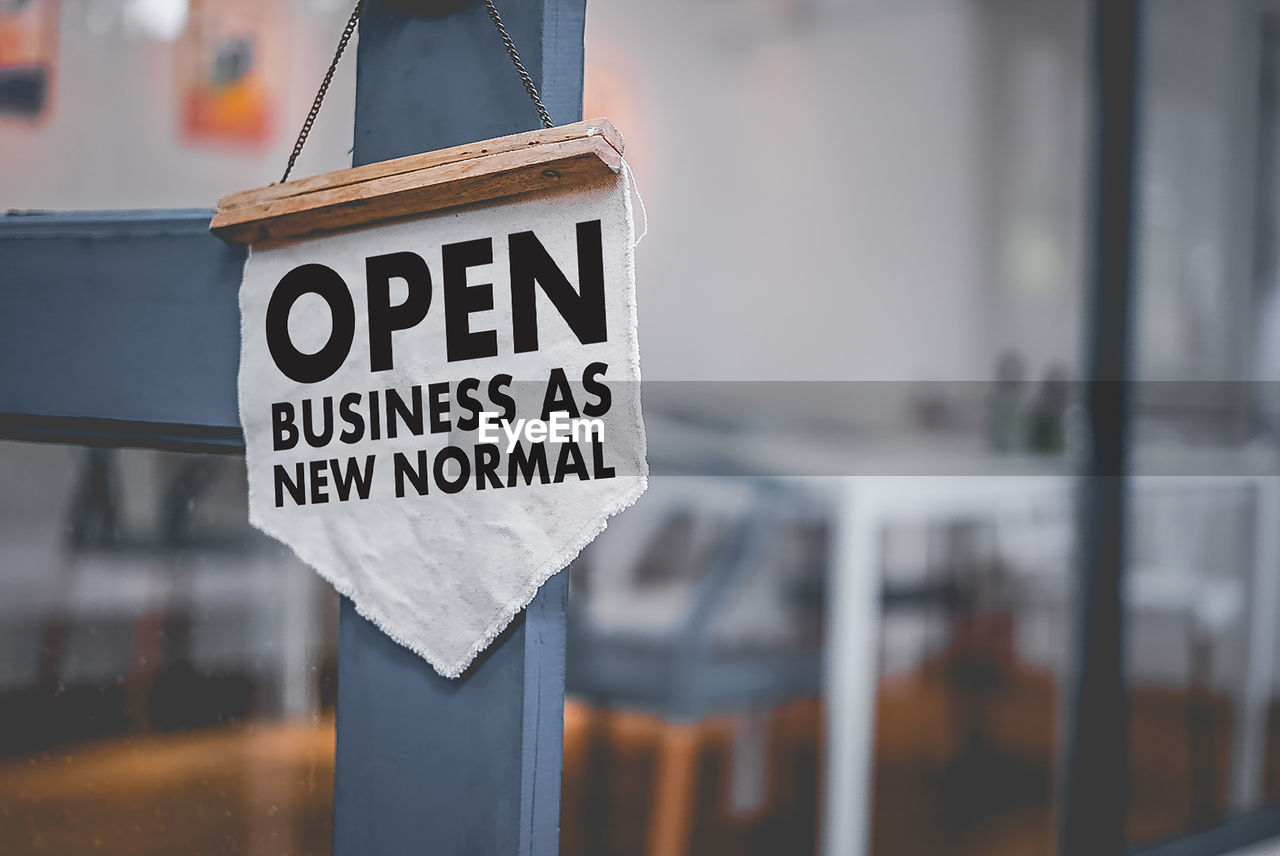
x,y
176,616
766,560
1186,578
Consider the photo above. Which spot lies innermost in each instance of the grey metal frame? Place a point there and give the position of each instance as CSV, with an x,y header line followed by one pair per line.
x,y
1095,786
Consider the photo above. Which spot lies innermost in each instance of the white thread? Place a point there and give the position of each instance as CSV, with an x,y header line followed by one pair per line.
x,y
635,188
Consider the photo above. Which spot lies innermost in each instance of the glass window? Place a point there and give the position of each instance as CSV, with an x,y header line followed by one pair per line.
x,y
906,325
168,677
1203,585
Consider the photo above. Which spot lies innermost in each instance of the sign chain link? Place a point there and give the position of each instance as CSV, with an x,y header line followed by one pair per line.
x,y
350,29
324,88
529,85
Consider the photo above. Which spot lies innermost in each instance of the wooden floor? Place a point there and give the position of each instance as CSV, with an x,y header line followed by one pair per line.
x,y
633,785
258,792
955,776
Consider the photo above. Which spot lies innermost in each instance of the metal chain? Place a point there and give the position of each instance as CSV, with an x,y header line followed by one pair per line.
x,y
529,85
324,88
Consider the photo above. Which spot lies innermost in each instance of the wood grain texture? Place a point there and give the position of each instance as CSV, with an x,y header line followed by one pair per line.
x,y
470,174
412,163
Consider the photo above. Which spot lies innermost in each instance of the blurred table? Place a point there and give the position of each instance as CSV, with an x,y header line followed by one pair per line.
x,y
865,503
874,476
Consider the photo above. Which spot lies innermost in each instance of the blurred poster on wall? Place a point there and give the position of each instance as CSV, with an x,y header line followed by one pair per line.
x,y
229,72
28,53
610,88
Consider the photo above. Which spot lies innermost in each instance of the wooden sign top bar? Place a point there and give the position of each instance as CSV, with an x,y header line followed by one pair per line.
x,y
421,184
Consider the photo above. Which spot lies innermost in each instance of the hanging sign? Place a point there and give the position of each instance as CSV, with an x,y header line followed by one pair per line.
x,y
439,375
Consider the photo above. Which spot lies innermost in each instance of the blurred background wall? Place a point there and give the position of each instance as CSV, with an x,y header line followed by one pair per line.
x,y
888,193
878,156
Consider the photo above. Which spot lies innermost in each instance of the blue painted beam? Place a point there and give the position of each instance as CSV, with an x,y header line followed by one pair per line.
x,y
427,83
155,285
424,764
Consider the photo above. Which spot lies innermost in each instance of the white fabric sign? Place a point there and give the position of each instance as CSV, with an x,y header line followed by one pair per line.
x,y
384,376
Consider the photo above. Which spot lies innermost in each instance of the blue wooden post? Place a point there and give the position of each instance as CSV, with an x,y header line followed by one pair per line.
x,y
424,764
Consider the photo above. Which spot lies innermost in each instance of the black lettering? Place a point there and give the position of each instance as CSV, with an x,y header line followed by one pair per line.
x,y
467,399
319,480
418,476
559,397
385,319
409,414
353,418
297,486
325,282
487,457
343,481
497,384
582,310
452,453
597,460
284,434
564,466
604,399
316,439
438,401
525,464
460,300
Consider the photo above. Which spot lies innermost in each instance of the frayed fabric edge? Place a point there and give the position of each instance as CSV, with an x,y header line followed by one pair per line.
x,y
454,668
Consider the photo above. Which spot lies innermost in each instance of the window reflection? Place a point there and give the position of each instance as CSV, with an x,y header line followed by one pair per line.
x,y
168,673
